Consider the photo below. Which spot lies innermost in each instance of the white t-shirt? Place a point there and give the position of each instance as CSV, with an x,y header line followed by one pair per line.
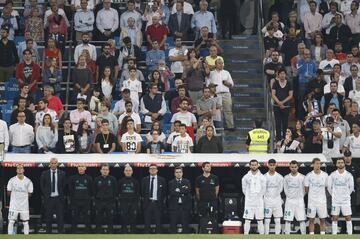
x,y
20,189
274,187
317,184
340,89
131,141
328,136
294,186
185,118
182,144
354,95
340,186
177,66
253,187
134,116
40,116
327,67
135,88
353,144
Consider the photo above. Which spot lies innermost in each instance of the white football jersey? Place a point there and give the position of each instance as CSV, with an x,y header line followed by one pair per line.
x,y
253,187
130,141
294,186
20,189
274,187
340,186
317,184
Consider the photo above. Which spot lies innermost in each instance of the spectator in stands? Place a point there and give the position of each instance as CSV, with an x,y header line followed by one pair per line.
x,y
35,26
125,73
31,5
328,20
333,97
107,84
52,76
212,57
155,9
270,41
24,92
347,107
342,124
54,102
153,106
131,141
313,140
21,135
209,143
224,82
59,37
134,85
311,106
350,82
217,115
352,141
21,107
9,21
154,55
84,20
105,114
8,57
55,20
331,138
205,41
91,65
203,18
81,78
43,109
85,45
327,64
60,12
176,102
107,21
346,67
128,52
107,60
201,131
272,67
95,103
105,142
155,145
335,76
156,32
132,32
130,13
317,85
318,49
274,20
289,144
183,143
85,137
133,115
186,118
28,72
166,74
79,114
312,22
68,141
156,127
155,78
51,51
120,108
340,33
206,106
28,43
177,56
4,137
339,54
354,94
76,5
300,48
352,21
282,93
47,135
173,135
179,22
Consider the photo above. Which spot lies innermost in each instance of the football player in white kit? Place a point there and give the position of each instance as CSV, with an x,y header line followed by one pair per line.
x,y
294,204
19,189
272,197
340,186
315,185
253,187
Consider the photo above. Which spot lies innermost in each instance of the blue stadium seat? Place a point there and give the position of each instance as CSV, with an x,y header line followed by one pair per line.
x,y
6,111
12,89
19,39
167,117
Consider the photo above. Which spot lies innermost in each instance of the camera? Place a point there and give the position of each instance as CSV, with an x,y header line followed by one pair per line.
x,y
330,144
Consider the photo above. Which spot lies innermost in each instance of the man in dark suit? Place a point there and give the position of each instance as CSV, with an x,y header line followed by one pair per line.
x,y
59,38
179,201
52,183
179,23
153,190
350,82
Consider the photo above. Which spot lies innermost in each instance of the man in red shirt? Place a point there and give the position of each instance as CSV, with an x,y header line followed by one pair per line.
x,y
28,72
156,31
54,102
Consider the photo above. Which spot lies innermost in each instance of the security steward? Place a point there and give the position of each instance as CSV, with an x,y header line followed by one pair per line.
x,y
258,139
207,191
129,195
105,192
80,193
179,201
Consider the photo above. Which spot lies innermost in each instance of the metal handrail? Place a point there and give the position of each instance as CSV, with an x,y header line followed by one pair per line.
x,y
69,68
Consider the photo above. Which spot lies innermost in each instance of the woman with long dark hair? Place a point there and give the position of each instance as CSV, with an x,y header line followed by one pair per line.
x,y
85,137
155,126
46,135
289,144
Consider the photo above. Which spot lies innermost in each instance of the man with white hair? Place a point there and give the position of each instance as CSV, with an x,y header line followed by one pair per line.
x,y
203,18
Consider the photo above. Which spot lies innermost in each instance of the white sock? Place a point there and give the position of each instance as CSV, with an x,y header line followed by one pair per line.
x,y
11,227
303,228
322,233
277,226
287,227
267,226
26,227
247,227
260,227
334,227
311,233
349,227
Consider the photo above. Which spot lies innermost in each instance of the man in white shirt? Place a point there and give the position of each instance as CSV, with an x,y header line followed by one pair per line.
x,y
327,64
177,56
21,135
19,188
42,110
184,116
329,18
85,45
107,21
254,187
315,186
133,115
340,185
272,197
134,85
79,114
331,138
119,107
131,12
60,11
183,143
131,141
352,142
188,9
312,21
84,18
224,82
295,204
4,136
76,4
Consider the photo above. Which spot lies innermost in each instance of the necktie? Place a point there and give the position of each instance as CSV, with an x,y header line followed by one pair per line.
x,y
179,20
152,187
53,182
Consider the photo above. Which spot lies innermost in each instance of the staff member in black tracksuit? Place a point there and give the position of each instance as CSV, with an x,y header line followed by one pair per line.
x,y
105,192
207,191
80,193
129,195
179,201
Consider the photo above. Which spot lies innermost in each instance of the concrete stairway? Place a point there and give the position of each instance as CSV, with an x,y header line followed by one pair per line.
x,y
242,57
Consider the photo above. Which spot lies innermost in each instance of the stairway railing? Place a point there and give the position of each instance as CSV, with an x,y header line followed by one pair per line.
x,y
71,42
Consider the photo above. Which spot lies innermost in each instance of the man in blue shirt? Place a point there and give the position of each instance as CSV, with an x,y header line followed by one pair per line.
x,y
203,18
154,56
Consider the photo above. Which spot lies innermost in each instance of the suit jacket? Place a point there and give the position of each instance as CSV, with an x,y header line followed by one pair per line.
x,y
348,85
45,183
185,26
60,42
180,190
145,190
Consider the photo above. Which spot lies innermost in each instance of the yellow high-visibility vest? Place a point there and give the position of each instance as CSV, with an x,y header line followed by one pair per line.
x,y
259,141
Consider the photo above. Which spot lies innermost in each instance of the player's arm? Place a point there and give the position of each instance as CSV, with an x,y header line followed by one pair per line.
x,y
217,190
285,187
197,193
351,184
329,184
281,186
